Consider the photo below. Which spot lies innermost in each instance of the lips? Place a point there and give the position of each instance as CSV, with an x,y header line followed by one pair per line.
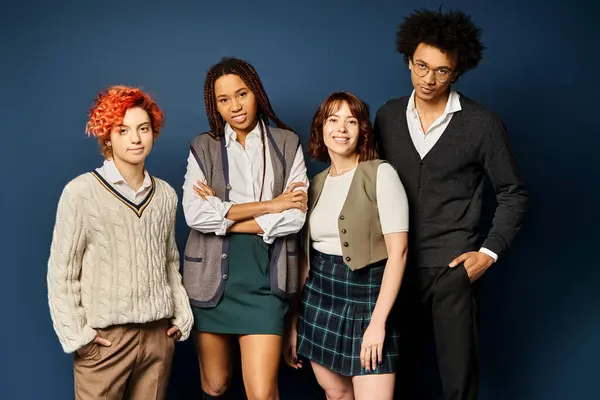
x,y
239,118
137,149
426,90
341,139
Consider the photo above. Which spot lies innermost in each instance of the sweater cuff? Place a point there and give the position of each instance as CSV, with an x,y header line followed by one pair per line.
x,y
72,344
184,323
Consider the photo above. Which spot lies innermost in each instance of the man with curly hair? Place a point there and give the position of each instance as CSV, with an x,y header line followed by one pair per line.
x,y
114,288
444,145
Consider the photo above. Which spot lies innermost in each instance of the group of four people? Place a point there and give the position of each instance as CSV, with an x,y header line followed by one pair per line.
x,y
313,271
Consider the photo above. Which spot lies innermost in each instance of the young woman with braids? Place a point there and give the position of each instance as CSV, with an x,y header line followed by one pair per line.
x,y
244,198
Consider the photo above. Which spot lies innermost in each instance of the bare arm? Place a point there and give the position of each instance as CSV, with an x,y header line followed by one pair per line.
x,y
397,247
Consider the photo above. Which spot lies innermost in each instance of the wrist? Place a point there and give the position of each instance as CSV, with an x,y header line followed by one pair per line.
x,y
378,320
267,207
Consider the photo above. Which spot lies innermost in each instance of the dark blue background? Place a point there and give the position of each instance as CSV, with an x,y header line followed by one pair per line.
x,y
540,320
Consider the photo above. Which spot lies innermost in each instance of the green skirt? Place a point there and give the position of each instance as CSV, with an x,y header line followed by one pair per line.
x,y
247,307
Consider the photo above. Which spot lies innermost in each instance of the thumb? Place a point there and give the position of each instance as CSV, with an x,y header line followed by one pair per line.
x,y
458,260
102,342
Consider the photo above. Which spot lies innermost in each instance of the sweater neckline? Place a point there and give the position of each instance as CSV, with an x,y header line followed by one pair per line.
x,y
138,209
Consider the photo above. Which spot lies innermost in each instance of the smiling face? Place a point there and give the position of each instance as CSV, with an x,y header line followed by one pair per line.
x,y
341,131
236,103
132,139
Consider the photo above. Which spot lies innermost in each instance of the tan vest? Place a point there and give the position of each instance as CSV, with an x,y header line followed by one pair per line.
x,y
358,223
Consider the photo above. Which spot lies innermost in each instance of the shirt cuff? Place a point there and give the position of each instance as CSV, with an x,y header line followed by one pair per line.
x,y
489,253
222,208
267,223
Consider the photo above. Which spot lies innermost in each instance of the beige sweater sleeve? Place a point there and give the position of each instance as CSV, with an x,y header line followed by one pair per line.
x,y
182,314
64,267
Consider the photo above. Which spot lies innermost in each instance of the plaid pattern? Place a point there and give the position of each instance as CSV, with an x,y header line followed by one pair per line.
x,y
336,309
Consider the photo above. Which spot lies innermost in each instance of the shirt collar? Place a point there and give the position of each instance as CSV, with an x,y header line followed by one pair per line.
x,y
452,106
231,136
113,175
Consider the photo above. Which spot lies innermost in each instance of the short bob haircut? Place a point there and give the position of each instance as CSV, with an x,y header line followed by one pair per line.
x,y
109,110
365,147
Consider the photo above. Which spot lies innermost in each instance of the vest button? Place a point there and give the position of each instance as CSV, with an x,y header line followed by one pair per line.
x,y
228,187
342,217
225,277
348,259
346,244
344,231
419,186
224,256
422,162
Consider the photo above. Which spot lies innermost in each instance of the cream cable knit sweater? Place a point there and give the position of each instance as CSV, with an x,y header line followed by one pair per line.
x,y
109,266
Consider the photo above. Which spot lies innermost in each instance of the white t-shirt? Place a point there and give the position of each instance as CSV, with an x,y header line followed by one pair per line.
x,y
391,201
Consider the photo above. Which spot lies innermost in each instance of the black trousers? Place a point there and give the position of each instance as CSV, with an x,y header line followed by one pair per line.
x,y
438,324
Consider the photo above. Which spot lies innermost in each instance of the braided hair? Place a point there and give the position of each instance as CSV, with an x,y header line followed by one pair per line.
x,y
247,73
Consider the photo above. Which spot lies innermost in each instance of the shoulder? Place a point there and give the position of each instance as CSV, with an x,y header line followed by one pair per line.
x,y
80,186
204,139
386,170
371,167
477,112
319,177
283,134
393,105
165,187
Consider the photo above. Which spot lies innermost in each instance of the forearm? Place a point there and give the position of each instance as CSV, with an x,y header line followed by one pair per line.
x,y
390,285
247,226
247,211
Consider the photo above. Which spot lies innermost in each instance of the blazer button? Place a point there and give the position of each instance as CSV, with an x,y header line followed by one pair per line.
x,y
342,217
344,231
348,259
225,277
419,186
346,244
228,187
224,256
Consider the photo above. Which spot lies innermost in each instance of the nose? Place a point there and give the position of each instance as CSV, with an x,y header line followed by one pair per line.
x,y
135,137
342,128
429,78
235,105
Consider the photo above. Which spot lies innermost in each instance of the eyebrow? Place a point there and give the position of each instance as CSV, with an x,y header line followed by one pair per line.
x,y
236,92
127,126
423,62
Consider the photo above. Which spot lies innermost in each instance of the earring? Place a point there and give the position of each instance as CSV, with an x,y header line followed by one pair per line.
x,y
108,144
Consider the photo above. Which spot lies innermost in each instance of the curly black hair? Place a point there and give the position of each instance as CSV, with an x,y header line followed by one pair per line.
x,y
453,32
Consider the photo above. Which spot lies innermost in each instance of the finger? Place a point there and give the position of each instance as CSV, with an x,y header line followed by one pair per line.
x,y
294,186
363,352
102,341
462,258
374,356
172,330
200,193
380,354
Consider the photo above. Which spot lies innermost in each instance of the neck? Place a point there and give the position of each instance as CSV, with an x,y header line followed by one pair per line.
x,y
435,106
132,173
241,134
342,164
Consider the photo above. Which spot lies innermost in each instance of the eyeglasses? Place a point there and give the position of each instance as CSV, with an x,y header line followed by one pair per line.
x,y
441,74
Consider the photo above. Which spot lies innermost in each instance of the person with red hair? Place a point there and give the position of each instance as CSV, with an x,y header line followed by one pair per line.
x,y
114,288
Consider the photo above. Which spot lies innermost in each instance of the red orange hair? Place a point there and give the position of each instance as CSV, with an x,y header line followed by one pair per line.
x,y
109,110
360,110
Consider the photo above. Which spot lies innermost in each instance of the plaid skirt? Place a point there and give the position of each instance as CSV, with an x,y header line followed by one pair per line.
x,y
336,309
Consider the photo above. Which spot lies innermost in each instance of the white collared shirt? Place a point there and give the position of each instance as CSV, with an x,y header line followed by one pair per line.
x,y
424,141
245,177
111,174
